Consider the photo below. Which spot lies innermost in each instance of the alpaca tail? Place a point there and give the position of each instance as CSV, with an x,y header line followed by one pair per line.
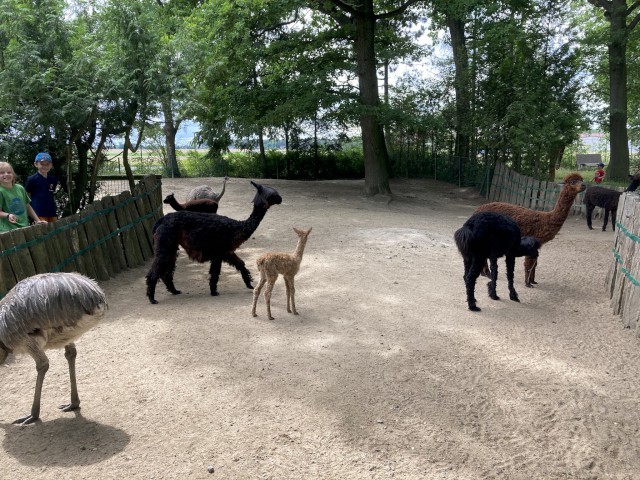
x,y
463,238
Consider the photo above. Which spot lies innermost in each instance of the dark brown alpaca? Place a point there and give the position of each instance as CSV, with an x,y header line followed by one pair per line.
x,y
542,225
205,238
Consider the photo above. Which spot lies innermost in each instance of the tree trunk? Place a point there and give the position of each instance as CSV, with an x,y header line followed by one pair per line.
x,y
263,156
462,85
618,168
376,157
170,131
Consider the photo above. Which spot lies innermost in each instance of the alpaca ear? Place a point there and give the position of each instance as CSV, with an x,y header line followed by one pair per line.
x,y
259,187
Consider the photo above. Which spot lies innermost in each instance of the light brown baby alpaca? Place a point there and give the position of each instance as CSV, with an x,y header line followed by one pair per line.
x,y
271,264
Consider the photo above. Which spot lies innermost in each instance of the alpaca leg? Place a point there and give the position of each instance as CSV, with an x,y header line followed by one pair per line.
x,y
42,365
267,295
589,215
470,283
486,272
256,293
291,294
214,275
493,279
606,219
530,271
511,264
163,266
235,261
70,354
614,211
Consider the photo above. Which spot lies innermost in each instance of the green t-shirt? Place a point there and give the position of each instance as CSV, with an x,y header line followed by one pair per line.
x,y
14,200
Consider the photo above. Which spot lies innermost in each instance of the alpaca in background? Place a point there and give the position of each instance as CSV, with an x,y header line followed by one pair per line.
x,y
489,236
205,191
205,238
205,205
287,264
608,200
542,225
50,310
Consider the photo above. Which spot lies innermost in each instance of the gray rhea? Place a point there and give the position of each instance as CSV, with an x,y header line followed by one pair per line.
x,y
46,311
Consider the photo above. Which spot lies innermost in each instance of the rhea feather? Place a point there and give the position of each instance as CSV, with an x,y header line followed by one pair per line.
x,y
45,311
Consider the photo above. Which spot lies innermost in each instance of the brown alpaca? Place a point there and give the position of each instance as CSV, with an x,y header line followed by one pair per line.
x,y
271,264
542,225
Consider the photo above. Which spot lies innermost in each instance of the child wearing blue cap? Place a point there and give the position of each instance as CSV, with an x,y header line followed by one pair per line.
x,y
41,186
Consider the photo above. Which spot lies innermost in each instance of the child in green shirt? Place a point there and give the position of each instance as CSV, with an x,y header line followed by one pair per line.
x,y
15,208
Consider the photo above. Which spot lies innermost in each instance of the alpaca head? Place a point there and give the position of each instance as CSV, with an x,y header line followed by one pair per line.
x,y
529,247
635,182
303,234
573,183
266,196
169,198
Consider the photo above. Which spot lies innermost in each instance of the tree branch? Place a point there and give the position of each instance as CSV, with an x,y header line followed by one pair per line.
x,y
399,10
632,7
333,11
633,22
604,4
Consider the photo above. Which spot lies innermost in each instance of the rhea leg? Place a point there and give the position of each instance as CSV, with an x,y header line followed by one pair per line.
x,y
42,365
70,354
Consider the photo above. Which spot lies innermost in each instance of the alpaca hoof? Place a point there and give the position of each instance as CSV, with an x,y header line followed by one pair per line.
x,y
514,297
176,292
254,314
249,286
295,313
214,294
494,297
474,308
271,318
590,227
153,301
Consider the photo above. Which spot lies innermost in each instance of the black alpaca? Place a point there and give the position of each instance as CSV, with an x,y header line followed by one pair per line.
x,y
490,235
205,238
205,205
608,199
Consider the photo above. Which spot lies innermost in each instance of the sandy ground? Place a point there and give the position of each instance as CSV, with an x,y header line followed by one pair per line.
x,y
384,374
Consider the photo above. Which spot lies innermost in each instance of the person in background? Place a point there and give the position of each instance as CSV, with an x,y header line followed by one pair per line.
x,y
41,186
599,175
15,204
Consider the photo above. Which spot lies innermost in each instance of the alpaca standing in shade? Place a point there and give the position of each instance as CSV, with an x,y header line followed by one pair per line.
x,y
542,225
287,264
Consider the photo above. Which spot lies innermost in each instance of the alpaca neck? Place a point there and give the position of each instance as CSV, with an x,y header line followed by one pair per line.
x,y
174,204
561,210
252,223
300,248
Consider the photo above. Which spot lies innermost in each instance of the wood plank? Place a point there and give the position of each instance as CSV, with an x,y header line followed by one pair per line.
x,y
129,237
7,277
97,250
117,240
38,250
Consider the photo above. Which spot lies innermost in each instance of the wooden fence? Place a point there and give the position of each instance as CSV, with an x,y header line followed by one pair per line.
x,y
511,187
105,238
623,279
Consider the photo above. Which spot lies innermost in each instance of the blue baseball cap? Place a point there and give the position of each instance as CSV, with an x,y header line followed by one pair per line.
x,y
43,157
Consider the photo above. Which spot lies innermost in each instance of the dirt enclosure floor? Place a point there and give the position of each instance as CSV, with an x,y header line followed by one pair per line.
x,y
384,374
